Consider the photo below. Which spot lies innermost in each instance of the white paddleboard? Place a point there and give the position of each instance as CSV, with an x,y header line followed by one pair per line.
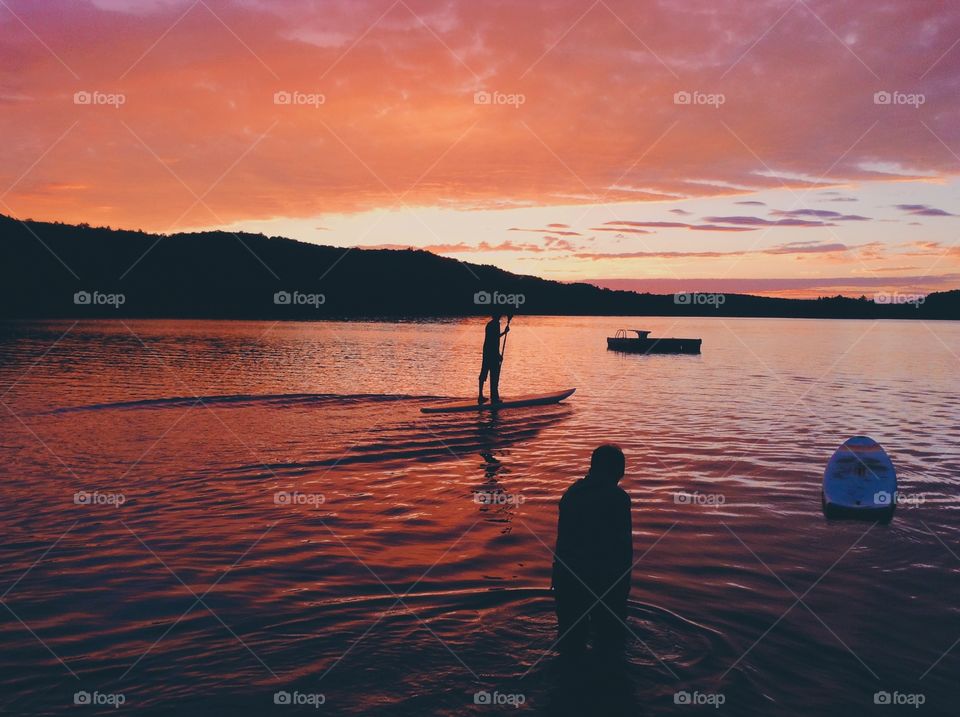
x,y
860,479
519,401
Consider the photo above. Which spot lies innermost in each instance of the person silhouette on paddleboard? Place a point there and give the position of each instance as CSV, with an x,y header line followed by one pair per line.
x,y
492,358
594,556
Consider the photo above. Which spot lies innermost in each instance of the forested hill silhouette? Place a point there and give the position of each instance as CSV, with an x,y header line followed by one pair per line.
x,y
61,270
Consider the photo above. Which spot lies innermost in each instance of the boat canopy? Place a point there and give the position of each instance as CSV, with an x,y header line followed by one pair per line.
x,y
622,333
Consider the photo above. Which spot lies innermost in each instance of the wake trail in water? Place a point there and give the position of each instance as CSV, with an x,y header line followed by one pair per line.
x,y
421,441
239,400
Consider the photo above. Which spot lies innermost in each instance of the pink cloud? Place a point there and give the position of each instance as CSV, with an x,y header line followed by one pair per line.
x,y
398,124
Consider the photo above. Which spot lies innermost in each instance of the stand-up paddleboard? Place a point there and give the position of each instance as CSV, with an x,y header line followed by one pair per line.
x,y
462,406
860,481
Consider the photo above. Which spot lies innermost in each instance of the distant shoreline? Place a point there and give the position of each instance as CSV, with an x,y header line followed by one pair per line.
x,y
61,271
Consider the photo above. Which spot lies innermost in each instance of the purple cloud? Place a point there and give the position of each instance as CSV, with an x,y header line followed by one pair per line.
x,y
757,221
821,214
923,210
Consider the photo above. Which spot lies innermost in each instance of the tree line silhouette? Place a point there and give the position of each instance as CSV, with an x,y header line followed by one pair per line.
x,y
62,270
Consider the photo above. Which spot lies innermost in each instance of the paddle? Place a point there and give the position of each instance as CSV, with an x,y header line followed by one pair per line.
x,y
503,349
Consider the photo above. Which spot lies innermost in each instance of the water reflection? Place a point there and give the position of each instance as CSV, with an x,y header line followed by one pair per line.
x,y
495,503
302,583
582,686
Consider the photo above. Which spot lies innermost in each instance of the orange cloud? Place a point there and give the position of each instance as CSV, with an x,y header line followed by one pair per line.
x,y
236,111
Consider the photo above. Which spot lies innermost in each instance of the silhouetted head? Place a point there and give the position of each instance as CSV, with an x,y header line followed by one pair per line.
x,y
607,463
496,317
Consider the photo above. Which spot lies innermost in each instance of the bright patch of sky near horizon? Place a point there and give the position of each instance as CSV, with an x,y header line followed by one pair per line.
x,y
565,184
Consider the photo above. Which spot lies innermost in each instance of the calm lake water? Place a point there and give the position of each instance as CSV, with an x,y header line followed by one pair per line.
x,y
215,515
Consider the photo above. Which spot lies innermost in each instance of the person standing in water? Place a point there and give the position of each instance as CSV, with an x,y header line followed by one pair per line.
x,y
594,556
492,359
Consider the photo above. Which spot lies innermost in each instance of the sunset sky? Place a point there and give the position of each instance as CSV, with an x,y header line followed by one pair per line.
x,y
781,147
